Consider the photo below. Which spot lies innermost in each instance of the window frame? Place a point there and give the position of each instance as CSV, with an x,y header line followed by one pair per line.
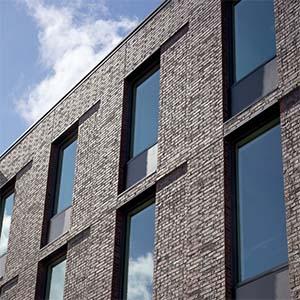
x,y
148,72
55,257
52,178
243,140
141,71
235,82
233,43
129,214
5,193
58,173
48,276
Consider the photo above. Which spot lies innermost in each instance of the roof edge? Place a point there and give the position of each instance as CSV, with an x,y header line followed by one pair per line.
x,y
107,57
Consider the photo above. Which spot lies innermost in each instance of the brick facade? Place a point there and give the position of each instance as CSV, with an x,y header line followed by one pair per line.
x,y
191,247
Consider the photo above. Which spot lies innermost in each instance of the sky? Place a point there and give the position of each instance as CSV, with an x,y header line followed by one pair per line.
x,y
47,46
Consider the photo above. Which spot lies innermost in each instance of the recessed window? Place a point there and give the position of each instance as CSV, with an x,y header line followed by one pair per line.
x,y
261,229
145,109
138,275
65,176
7,203
61,176
254,35
56,280
138,157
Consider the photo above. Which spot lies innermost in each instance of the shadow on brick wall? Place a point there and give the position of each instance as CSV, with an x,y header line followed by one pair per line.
x,y
290,100
3,179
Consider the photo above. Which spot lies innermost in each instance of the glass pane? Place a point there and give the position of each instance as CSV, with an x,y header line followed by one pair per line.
x,y
66,179
57,281
140,263
261,208
254,30
145,117
5,222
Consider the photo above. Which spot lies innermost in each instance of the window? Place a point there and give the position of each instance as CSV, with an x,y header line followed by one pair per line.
x,y
138,153
254,35
261,234
145,107
252,46
58,205
7,203
138,275
65,176
56,280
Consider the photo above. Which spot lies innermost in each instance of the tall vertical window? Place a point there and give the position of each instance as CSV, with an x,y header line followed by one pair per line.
x,y
141,113
56,280
65,176
262,243
7,203
138,275
145,108
254,35
58,208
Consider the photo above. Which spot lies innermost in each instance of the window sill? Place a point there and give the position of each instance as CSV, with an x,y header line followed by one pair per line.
x,y
253,71
261,275
135,185
254,86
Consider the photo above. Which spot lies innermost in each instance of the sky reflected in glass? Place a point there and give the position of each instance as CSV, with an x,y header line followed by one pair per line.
x,y
6,221
66,181
57,281
145,117
141,246
261,208
254,29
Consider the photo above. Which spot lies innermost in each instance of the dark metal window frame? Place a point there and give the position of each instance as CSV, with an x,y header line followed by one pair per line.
x,y
123,214
232,40
246,139
42,279
233,52
140,74
229,65
49,274
130,214
53,173
255,134
248,131
148,72
61,147
5,192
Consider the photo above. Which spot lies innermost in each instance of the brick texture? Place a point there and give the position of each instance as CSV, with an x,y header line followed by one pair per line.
x,y
191,247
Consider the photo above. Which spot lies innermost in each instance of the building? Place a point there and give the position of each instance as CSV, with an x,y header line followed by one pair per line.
x,y
171,169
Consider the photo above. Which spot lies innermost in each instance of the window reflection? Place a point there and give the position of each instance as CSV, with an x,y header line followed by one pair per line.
x,y
6,221
56,281
145,114
261,209
66,177
254,35
140,254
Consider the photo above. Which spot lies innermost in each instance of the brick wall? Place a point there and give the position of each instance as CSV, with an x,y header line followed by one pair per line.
x,y
290,131
190,187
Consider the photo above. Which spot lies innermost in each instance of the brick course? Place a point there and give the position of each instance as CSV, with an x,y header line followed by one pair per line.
x,y
190,245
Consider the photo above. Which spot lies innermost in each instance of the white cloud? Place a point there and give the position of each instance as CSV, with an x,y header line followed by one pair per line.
x,y
140,276
72,40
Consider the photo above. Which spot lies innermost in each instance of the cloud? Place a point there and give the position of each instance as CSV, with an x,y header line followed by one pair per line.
x,y
73,38
140,276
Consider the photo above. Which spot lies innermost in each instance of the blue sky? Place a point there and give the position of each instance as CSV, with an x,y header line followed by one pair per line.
x,y
48,46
